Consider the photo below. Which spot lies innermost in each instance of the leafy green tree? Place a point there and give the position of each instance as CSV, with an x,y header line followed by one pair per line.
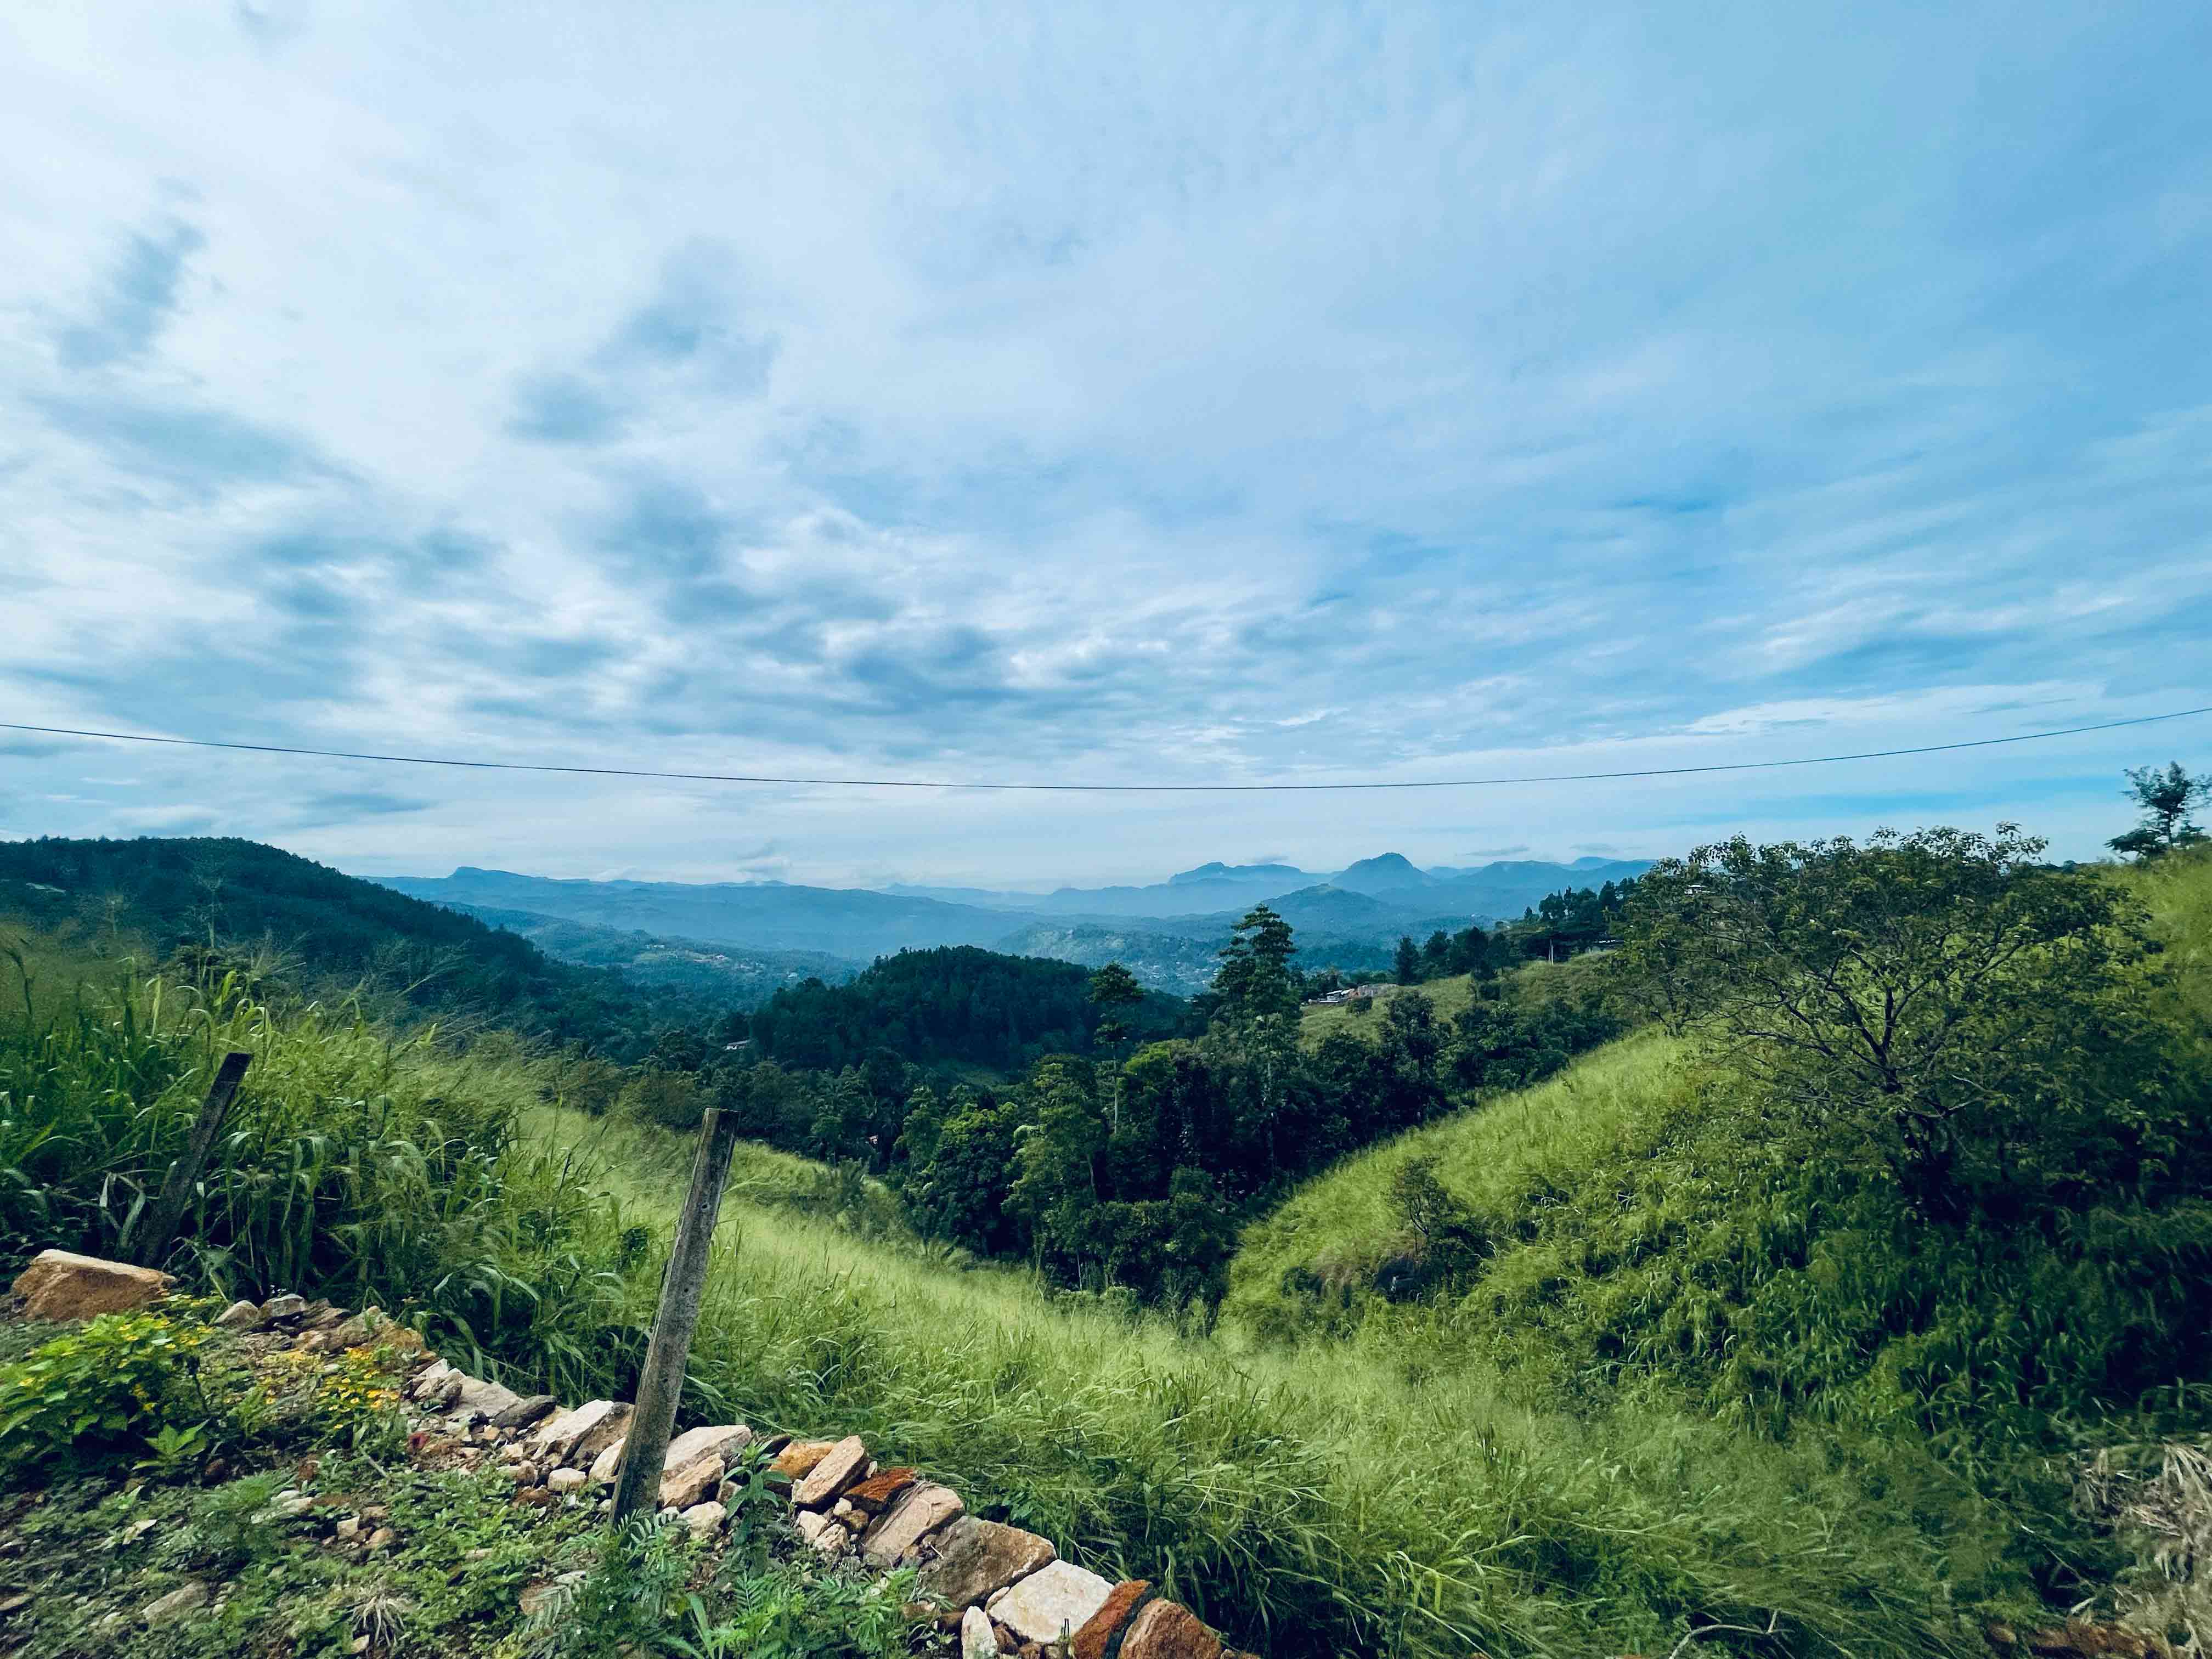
x,y
1406,967
961,1192
2166,797
1436,955
1256,981
1939,1000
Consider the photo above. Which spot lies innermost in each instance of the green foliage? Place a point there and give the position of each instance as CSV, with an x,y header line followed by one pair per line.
x,y
789,1611
109,1380
624,1604
954,1005
2166,798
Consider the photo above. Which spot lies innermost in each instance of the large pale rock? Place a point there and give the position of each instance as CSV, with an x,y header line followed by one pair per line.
x,y
724,1440
977,1641
608,1431
479,1402
975,1558
566,1481
558,1440
61,1285
1056,1599
705,1519
607,1465
895,1539
239,1317
1165,1630
681,1488
844,1463
1122,1603
285,1304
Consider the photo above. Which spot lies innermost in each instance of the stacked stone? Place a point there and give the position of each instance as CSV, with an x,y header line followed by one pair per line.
x,y
1005,1589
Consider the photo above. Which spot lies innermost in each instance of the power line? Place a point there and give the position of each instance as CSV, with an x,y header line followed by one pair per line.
x,y
1093,788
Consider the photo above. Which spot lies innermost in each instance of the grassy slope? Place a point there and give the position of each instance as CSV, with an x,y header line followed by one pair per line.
x,y
1341,1226
1326,1502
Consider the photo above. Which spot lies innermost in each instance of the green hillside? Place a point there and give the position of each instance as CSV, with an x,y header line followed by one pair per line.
x,y
1657,1211
326,934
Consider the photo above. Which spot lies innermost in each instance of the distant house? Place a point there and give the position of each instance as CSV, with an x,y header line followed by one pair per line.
x,y
1350,993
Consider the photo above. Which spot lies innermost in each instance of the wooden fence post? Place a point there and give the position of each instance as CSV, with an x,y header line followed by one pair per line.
x,y
661,1382
157,1229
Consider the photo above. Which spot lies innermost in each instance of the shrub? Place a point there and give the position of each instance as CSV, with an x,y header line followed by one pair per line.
x,y
109,1381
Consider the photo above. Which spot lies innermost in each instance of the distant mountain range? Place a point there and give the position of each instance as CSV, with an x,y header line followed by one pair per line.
x,y
1167,932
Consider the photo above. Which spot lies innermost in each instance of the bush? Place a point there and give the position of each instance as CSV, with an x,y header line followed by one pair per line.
x,y
110,1381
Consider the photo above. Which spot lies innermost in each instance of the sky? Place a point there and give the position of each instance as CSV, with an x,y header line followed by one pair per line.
x,y
1129,393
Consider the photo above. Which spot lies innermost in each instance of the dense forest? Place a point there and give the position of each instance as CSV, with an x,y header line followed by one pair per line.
x,y
957,1005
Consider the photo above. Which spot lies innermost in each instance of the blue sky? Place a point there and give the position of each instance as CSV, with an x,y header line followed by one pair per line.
x,y
1124,393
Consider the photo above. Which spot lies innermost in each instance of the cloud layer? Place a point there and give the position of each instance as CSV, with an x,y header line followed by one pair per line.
x,y
1123,396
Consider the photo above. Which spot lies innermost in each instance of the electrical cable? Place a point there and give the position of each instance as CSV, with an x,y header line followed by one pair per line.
x,y
1094,788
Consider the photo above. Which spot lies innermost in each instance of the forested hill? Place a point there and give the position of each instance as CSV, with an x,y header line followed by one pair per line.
x,y
956,1005
338,933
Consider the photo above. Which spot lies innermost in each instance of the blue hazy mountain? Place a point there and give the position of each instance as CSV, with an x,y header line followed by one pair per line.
x,y
1375,897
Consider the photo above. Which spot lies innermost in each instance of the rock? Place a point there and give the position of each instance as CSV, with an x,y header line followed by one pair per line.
x,y
797,1460
537,1498
975,1558
381,1540
692,1485
722,1439
1165,1630
847,1517
283,1305
526,1473
895,1540
838,1469
557,1440
477,1399
827,1538
608,1431
523,1412
1099,1631
705,1519
290,1506
348,1529
1055,1598
61,1285
431,1378
608,1464
874,1495
977,1641
2079,1640
239,1317
177,1603
566,1480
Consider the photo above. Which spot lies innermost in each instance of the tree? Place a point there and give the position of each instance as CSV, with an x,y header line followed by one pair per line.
x,y
2166,798
1114,988
1256,983
1407,967
1940,999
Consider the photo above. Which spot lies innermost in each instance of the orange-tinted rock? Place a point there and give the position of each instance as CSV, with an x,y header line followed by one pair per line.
x,y
1121,1604
61,1285
797,1460
873,1495
1165,1630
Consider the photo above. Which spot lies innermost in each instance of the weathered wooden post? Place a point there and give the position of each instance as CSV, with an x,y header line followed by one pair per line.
x,y
157,1228
661,1382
